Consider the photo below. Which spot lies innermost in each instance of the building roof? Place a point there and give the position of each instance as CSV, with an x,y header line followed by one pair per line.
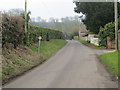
x,y
83,29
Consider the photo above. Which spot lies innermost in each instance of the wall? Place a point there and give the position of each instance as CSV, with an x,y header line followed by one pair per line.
x,y
110,43
93,39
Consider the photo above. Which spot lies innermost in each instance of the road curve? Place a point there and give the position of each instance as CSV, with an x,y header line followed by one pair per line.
x,y
74,66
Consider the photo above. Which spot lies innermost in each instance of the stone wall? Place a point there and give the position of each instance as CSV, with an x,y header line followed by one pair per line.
x,y
110,43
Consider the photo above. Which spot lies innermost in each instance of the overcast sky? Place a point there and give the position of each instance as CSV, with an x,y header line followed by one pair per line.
x,y
42,8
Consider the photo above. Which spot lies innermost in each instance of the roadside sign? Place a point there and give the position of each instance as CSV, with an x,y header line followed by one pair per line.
x,y
39,39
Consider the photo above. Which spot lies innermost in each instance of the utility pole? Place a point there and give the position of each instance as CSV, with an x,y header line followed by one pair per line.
x,y
79,34
0,33
116,24
80,27
25,16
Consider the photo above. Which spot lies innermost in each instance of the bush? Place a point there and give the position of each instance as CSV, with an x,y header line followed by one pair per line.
x,y
12,30
102,38
107,31
14,33
46,33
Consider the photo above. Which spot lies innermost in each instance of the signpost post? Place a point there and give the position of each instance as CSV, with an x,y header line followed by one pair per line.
x,y
39,40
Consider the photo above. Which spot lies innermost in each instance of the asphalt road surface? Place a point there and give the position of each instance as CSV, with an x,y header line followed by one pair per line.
x,y
74,66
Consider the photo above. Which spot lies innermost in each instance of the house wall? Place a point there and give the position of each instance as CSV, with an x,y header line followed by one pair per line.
x,y
91,36
93,40
110,44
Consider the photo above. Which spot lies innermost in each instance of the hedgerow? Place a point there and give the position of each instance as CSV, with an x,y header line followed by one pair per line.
x,y
46,33
13,32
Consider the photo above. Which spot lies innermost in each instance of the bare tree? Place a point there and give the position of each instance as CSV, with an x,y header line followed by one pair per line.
x,y
16,12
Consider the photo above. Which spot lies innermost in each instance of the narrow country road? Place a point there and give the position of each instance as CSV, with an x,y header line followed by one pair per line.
x,y
74,66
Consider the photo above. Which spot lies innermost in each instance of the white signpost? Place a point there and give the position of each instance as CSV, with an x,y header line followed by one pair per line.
x,y
39,40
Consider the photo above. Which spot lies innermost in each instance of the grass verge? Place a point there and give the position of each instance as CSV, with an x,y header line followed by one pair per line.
x,y
17,61
111,61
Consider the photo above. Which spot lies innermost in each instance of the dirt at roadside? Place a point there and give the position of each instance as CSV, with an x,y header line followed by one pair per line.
x,y
16,61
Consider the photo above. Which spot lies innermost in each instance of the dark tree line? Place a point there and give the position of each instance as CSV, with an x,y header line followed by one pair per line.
x,y
97,14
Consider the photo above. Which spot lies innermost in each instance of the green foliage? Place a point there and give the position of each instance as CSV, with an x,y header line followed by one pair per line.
x,y
12,30
46,33
107,31
28,17
70,36
111,61
97,14
66,24
102,38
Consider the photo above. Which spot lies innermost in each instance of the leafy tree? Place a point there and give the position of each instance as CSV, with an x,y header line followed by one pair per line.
x,y
12,30
16,12
107,31
97,14
26,41
28,17
69,25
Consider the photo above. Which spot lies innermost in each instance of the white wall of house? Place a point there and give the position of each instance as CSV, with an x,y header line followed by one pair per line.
x,y
90,36
93,40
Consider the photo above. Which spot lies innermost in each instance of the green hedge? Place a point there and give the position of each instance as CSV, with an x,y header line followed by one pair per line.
x,y
107,31
46,33
13,32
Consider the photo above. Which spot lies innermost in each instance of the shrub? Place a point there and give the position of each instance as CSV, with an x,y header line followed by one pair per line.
x,y
12,30
46,33
107,31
